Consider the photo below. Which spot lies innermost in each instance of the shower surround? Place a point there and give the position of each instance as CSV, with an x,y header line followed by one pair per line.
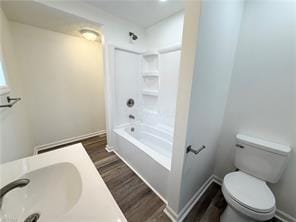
x,y
144,92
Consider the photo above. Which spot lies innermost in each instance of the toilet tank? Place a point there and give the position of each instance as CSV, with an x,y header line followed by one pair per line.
x,y
260,158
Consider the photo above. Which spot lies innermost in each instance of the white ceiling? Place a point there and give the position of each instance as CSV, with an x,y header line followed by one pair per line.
x,y
141,12
39,15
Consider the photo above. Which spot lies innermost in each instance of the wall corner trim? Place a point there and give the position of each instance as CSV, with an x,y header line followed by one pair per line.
x,y
190,204
109,148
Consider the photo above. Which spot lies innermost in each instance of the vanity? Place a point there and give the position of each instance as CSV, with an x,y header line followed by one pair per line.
x,y
63,185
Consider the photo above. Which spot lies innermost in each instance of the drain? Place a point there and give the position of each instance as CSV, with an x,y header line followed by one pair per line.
x,y
33,218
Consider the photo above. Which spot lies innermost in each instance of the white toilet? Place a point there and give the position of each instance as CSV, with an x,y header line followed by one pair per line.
x,y
246,192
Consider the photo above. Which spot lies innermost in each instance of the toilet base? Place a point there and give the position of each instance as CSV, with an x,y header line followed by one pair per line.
x,y
231,215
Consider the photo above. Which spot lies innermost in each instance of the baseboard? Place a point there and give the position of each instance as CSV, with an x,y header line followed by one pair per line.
x,y
284,216
139,175
109,148
213,179
67,141
170,213
217,179
186,209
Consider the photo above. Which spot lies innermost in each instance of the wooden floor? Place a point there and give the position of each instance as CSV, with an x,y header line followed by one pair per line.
x,y
209,207
136,200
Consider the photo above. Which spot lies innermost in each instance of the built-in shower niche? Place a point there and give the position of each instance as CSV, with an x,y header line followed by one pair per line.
x,y
150,82
150,62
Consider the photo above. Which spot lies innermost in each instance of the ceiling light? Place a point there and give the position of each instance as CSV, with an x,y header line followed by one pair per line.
x,y
89,34
162,0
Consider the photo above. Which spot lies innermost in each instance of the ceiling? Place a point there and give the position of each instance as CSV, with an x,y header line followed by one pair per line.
x,y
39,15
141,12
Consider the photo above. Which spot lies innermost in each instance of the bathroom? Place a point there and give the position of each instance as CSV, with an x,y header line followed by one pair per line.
x,y
184,114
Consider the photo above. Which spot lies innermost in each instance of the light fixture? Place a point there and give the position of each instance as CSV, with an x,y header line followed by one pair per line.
x,y
89,34
162,0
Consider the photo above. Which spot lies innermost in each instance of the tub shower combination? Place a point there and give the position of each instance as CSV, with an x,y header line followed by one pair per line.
x,y
143,110
148,150
154,142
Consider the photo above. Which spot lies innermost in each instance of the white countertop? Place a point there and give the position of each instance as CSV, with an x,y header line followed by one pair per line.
x,y
95,203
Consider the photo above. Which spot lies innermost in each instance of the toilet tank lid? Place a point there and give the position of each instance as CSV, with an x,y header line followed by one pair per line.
x,y
263,144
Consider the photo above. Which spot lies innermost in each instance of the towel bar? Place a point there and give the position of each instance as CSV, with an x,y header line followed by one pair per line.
x,y
9,105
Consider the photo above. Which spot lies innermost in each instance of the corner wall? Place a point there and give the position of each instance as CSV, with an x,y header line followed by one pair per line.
x,y
15,137
63,83
217,41
166,33
189,45
261,100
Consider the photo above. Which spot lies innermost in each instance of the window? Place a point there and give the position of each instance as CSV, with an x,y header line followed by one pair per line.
x,y
2,79
3,84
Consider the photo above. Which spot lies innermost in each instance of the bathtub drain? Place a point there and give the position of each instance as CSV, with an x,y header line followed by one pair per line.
x,y
32,218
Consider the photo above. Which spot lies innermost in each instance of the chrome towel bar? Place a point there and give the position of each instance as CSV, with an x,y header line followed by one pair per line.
x,y
9,105
189,149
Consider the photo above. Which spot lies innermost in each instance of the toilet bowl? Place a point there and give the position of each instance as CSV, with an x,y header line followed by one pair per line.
x,y
248,197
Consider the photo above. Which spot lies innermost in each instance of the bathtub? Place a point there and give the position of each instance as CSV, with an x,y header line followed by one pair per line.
x,y
148,150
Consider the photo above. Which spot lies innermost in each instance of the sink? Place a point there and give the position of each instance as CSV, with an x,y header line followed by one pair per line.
x,y
52,191
65,186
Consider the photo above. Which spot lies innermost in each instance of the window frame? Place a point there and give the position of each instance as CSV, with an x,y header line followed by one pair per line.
x,y
4,89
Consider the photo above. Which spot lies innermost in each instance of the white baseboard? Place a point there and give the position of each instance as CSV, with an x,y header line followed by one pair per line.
x,y
139,175
180,217
66,141
217,179
186,209
170,213
109,148
284,216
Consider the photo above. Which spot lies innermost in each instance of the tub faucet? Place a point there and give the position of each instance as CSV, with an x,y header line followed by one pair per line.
x,y
131,116
14,184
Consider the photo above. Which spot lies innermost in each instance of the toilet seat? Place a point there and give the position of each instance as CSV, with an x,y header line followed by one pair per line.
x,y
249,195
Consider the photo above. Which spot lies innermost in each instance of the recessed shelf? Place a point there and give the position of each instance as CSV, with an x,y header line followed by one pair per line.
x,y
150,74
149,92
150,53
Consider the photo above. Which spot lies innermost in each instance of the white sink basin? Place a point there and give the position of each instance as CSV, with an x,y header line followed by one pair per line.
x,y
52,191
64,186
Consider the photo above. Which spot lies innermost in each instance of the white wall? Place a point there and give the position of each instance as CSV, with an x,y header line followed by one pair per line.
x,y
115,30
126,85
189,45
63,83
218,36
169,65
262,94
15,137
166,32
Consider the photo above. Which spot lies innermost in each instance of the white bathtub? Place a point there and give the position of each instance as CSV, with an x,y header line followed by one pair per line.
x,y
148,150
